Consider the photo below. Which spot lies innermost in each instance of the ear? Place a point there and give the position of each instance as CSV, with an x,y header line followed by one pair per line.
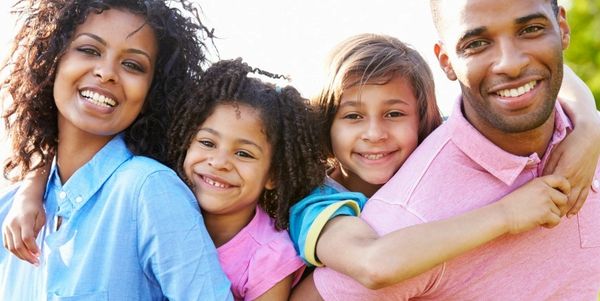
x,y
444,61
565,31
270,185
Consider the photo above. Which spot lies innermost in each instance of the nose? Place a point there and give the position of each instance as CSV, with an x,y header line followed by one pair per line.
x,y
375,131
219,161
511,59
105,71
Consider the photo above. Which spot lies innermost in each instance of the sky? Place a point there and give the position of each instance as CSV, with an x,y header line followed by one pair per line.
x,y
294,37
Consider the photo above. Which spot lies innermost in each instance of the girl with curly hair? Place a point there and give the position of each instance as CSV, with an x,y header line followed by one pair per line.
x,y
248,150
93,83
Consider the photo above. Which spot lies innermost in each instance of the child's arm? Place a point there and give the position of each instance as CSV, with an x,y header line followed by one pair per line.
x,y
26,217
281,290
348,245
576,157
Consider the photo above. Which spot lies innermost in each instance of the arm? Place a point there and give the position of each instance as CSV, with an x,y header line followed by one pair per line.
x,y
26,217
306,290
408,252
576,157
281,290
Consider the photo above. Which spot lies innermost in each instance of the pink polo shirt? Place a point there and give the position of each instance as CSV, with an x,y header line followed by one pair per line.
x,y
258,258
456,170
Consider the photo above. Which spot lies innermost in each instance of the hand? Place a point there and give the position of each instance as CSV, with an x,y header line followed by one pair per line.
x,y
20,228
576,158
541,202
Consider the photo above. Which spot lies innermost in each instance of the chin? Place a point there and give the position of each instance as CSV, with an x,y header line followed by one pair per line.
x,y
378,180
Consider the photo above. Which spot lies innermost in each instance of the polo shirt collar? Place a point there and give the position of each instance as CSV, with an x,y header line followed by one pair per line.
x,y
88,179
499,163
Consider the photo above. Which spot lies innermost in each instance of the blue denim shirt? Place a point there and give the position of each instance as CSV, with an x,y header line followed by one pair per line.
x,y
131,230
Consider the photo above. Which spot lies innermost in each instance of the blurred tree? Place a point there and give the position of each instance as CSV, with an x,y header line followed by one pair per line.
x,y
583,54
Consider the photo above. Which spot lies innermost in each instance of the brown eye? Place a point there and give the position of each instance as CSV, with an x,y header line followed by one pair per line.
x,y
88,51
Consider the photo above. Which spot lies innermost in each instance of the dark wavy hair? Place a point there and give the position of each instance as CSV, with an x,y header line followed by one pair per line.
x,y
47,28
297,165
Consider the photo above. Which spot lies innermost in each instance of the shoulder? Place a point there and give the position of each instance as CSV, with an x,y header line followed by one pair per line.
x,y
274,258
140,171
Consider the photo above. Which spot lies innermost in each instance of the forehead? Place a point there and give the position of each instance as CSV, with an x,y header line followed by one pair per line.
x,y
457,17
119,25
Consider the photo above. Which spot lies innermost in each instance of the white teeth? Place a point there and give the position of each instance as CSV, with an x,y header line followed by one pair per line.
x,y
215,183
517,91
372,156
98,99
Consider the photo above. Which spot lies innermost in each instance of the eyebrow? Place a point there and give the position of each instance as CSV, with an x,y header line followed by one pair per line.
x,y
473,32
519,21
354,103
241,141
525,19
103,42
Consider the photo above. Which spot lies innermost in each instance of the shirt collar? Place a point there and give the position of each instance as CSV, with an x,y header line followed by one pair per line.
x,y
501,164
88,179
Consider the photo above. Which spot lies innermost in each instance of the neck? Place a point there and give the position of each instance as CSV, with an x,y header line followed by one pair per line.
x,y
522,143
353,182
75,148
223,227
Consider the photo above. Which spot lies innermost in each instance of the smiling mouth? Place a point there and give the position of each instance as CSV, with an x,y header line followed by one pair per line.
x,y
98,99
214,183
516,92
374,157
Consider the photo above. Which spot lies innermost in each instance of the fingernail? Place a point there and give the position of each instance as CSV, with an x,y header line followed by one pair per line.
x,y
36,263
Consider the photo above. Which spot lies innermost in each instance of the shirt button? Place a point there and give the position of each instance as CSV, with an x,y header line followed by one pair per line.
x,y
78,199
62,195
596,185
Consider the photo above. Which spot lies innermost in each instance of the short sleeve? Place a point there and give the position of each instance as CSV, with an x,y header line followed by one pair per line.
x,y
384,218
270,264
309,216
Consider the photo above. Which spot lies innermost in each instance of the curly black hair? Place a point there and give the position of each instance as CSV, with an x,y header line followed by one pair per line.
x,y
47,28
298,163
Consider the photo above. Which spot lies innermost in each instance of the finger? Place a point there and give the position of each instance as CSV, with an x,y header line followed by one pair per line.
x,y
4,240
20,248
573,198
579,202
28,239
561,201
552,221
558,182
555,210
17,246
40,221
8,242
552,162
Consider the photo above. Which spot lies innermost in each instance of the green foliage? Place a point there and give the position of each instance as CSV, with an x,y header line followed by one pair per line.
x,y
583,54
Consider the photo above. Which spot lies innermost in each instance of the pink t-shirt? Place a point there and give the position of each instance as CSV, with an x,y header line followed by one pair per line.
x,y
259,257
456,170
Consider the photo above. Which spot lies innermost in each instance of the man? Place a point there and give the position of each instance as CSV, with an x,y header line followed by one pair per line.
x,y
507,57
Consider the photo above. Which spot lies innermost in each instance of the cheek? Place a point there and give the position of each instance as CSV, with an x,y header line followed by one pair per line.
x,y
188,162
407,135
137,90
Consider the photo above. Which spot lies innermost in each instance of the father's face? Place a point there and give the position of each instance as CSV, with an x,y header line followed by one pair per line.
x,y
507,56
